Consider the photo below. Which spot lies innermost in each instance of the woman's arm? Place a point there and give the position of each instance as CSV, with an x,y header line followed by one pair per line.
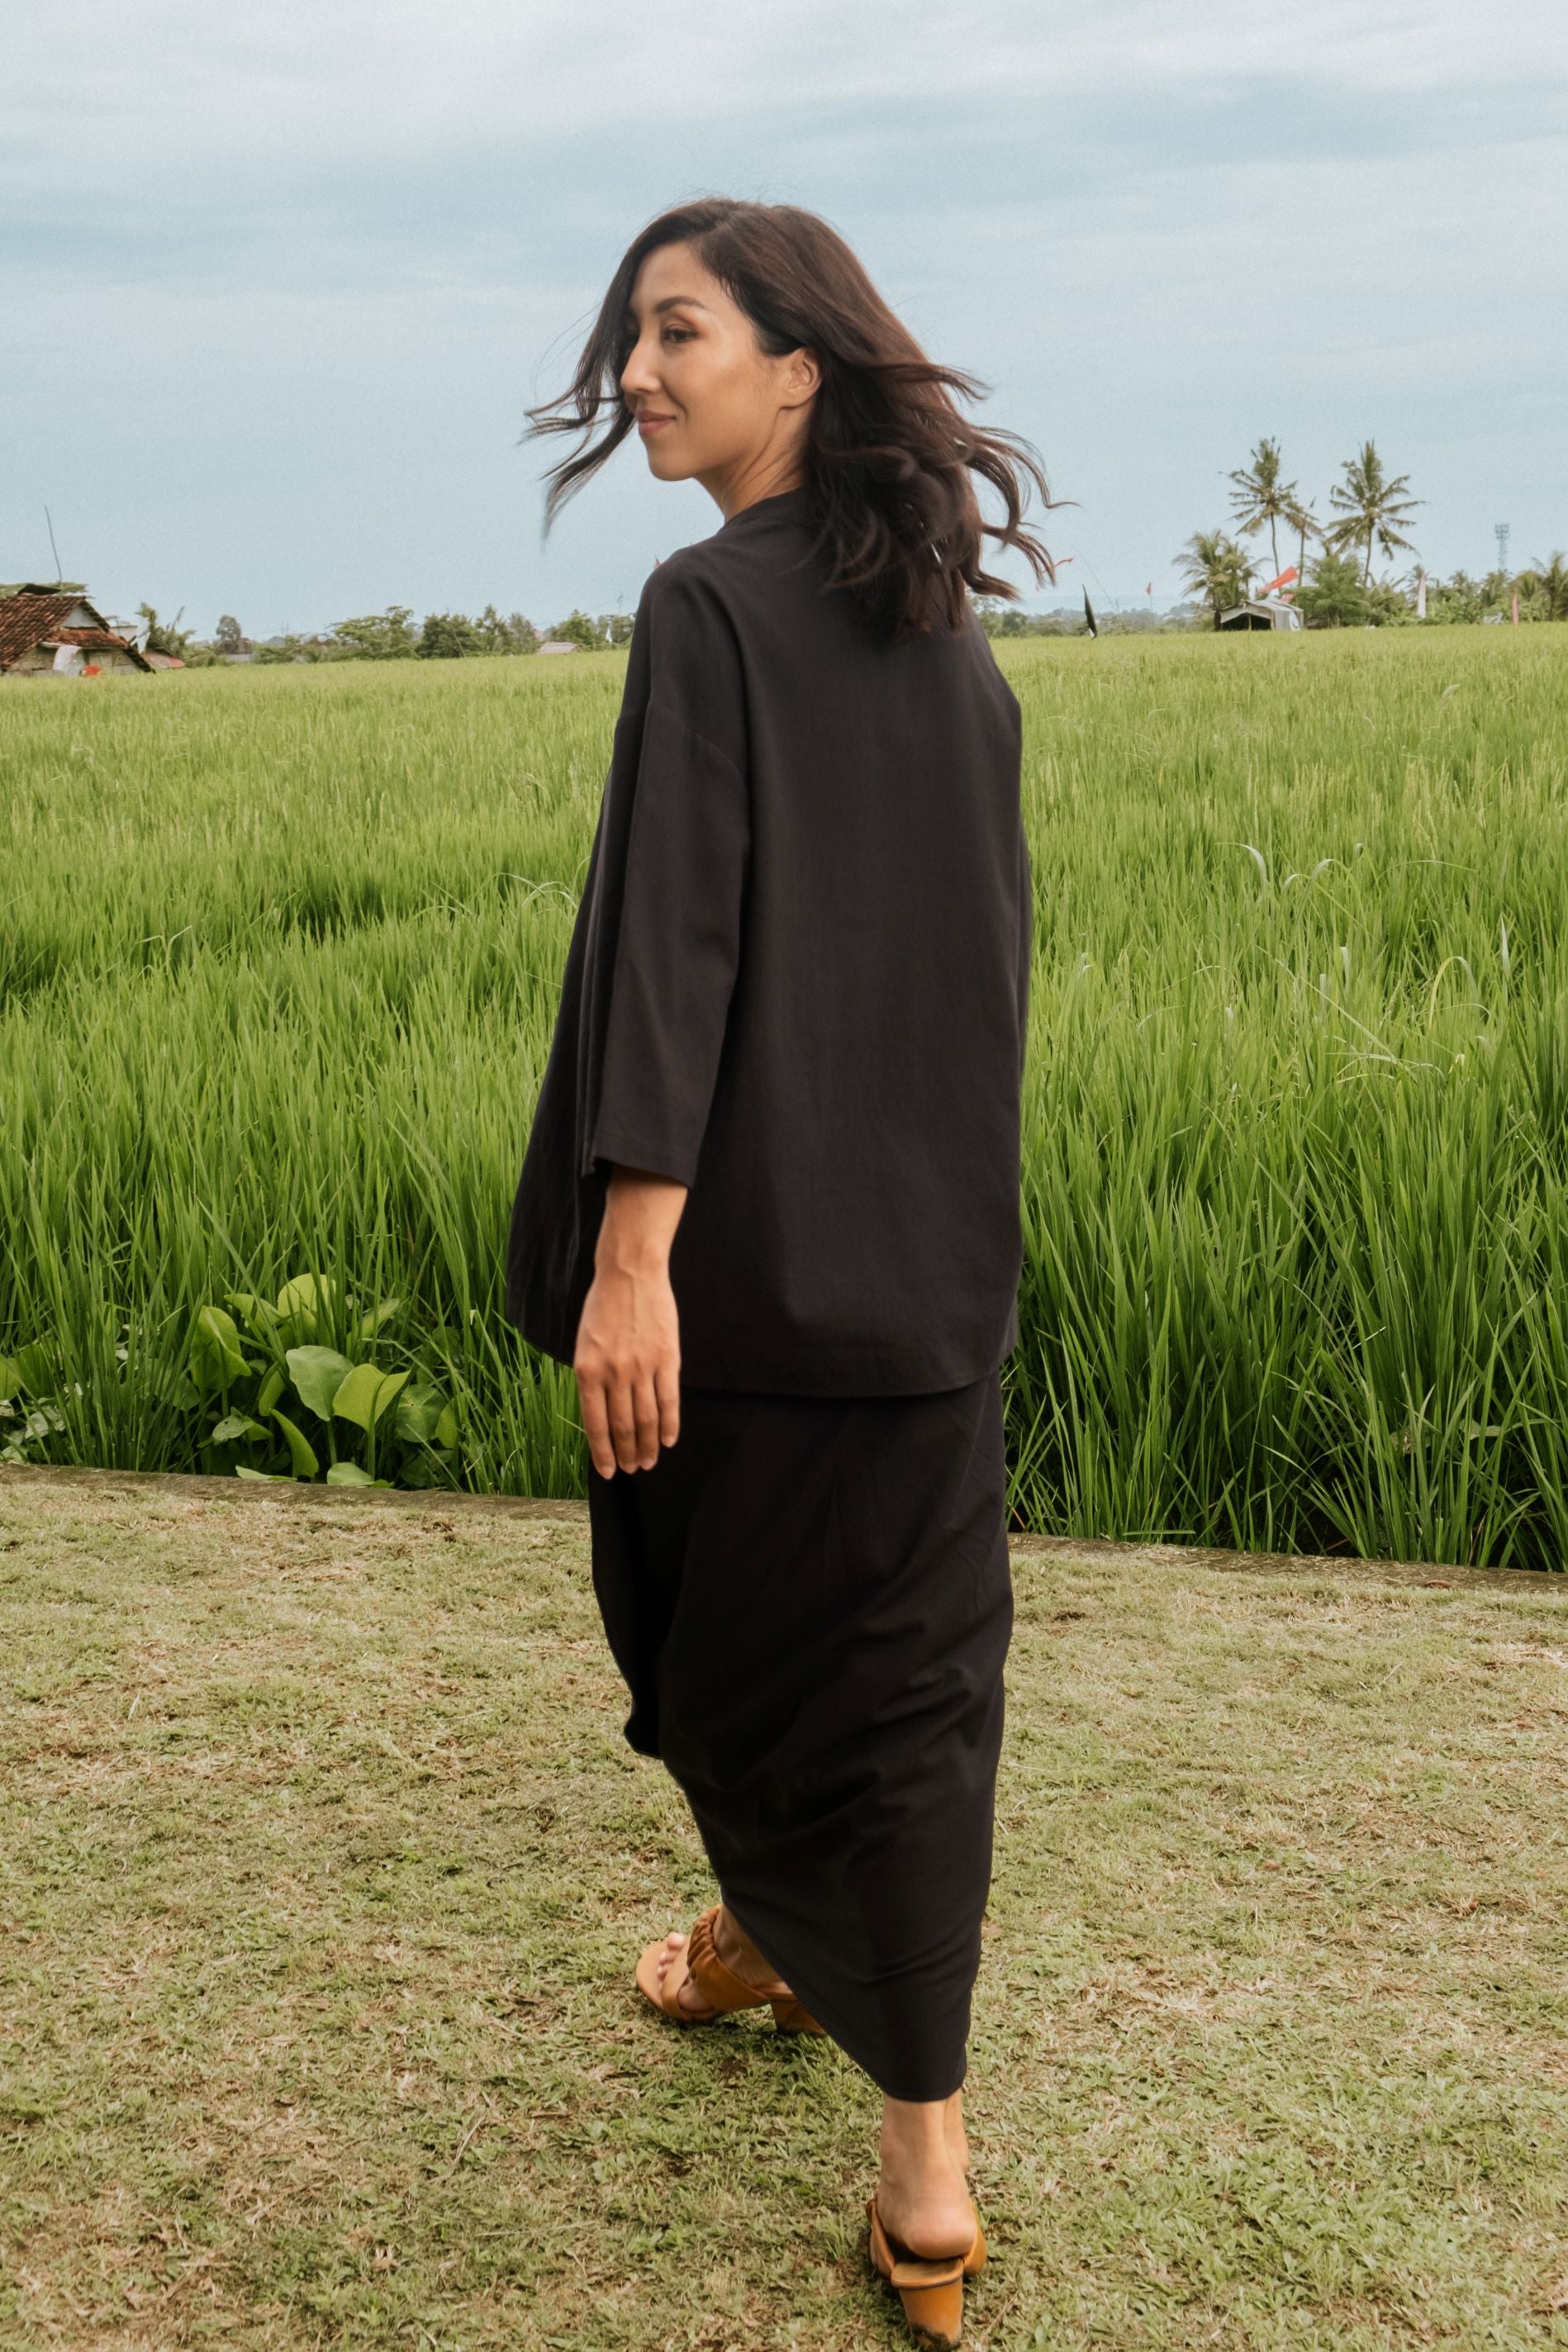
x,y
628,1359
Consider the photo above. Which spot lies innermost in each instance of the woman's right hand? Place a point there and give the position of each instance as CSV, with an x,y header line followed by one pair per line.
x,y
628,1358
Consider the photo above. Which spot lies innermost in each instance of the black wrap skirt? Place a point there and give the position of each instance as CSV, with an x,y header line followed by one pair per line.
x,y
810,1601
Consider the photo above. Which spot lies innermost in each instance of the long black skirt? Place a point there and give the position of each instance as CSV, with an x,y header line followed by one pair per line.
x,y
810,1600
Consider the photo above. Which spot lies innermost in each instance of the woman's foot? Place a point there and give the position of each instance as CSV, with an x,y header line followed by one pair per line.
x,y
922,2197
737,1951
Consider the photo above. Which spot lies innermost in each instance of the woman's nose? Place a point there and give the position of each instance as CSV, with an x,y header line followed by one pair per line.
x,y
637,375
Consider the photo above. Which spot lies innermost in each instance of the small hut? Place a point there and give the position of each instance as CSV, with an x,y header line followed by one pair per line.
x,y
1261,613
52,631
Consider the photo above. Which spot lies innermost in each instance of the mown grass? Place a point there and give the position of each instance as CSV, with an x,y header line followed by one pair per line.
x,y
279,956
323,1867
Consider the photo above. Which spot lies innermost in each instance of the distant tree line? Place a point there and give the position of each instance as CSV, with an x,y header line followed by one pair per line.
x,y
391,635
1370,512
1001,620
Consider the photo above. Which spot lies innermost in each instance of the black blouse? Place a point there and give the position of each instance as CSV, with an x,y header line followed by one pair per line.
x,y
797,983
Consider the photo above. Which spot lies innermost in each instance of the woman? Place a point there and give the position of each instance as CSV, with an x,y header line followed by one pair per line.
x,y
769,1210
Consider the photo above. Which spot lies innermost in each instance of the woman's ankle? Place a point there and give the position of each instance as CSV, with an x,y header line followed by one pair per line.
x,y
921,2194
915,2132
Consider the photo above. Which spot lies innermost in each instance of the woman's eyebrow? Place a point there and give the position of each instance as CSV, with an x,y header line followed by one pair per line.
x,y
670,302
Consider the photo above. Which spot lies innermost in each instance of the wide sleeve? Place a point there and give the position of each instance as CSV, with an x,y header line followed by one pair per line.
x,y
672,883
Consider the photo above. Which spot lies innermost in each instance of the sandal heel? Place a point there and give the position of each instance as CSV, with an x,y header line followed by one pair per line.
x,y
931,2293
935,2313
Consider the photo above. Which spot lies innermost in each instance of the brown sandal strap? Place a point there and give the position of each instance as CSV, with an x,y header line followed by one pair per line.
x,y
716,1982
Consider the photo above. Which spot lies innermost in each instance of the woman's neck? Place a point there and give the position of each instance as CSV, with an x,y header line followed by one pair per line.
x,y
768,476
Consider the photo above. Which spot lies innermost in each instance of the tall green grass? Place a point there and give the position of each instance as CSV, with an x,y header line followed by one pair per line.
x,y
278,958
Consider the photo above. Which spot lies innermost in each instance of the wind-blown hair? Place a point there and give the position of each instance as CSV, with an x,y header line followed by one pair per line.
x,y
890,460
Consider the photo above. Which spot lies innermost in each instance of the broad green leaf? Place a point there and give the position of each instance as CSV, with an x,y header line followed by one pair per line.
x,y
365,1395
301,1453
304,1303
267,1477
318,1373
10,1380
214,1359
426,1469
418,1410
370,1321
446,1427
255,1313
237,1424
349,1473
271,1389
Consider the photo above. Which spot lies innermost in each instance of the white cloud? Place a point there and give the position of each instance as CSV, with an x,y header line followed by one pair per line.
x,y
332,86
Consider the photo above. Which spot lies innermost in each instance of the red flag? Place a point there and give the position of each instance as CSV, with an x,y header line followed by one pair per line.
x,y
1283,582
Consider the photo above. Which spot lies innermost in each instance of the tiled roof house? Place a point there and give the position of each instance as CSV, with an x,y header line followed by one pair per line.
x,y
56,632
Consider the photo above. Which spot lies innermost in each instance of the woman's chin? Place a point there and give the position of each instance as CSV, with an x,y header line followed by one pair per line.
x,y
665,465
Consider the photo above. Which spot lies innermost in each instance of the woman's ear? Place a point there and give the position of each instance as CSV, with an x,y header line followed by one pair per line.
x,y
802,376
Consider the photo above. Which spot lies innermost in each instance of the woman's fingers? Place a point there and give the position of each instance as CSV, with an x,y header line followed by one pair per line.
x,y
667,1388
593,1399
623,1422
645,1414
628,1416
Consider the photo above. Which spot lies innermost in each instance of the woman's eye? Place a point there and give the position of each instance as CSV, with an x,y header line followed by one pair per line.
x,y
678,334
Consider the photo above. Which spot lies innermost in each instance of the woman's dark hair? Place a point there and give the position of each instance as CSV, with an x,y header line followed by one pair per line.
x,y
890,461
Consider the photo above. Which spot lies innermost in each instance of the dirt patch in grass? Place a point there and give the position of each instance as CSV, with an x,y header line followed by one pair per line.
x,y
324,1865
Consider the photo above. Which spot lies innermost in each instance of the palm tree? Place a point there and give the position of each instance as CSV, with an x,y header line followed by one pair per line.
x,y
1262,500
1550,580
1304,523
1215,569
1371,505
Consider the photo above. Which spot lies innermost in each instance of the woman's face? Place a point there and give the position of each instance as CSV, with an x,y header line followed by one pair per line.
x,y
710,404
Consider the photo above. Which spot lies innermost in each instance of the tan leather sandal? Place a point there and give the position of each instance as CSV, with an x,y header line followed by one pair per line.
x,y
931,2291
720,1988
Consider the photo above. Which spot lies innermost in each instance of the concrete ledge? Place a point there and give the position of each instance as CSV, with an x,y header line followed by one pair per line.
x,y
296,1494
1091,1549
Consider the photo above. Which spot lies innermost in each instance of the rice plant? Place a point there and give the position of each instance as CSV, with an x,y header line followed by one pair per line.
x,y
278,958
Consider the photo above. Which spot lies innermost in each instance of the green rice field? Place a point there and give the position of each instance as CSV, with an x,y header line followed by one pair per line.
x,y
278,959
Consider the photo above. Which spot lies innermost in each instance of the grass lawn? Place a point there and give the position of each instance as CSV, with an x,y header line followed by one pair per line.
x,y
325,1867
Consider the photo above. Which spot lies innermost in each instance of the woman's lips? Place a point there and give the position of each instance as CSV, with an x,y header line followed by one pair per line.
x,y
646,424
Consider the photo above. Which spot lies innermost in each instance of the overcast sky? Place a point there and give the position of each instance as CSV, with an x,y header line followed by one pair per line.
x,y
278,283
